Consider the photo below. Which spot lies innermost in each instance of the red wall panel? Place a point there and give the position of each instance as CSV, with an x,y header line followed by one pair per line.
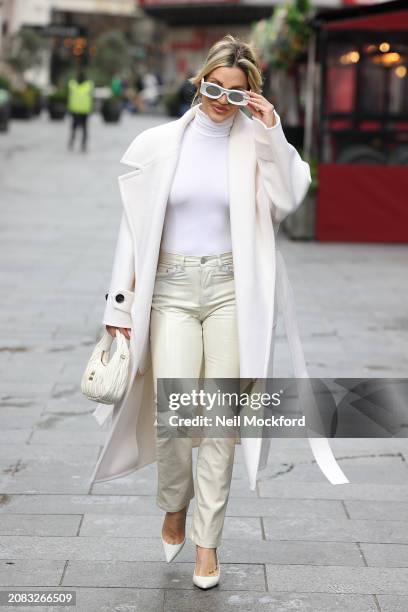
x,y
362,203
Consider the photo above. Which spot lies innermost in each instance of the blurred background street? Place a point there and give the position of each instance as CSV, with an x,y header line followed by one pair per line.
x,y
297,542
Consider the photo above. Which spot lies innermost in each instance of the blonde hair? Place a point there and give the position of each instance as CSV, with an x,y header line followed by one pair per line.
x,y
230,52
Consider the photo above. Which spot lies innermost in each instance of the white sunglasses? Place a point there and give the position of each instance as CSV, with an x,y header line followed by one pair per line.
x,y
214,91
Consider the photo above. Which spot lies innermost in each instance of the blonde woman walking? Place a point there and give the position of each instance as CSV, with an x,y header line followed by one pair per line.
x,y
193,281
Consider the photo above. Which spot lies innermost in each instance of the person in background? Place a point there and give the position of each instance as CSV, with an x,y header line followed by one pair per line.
x,y
149,85
80,104
117,85
185,94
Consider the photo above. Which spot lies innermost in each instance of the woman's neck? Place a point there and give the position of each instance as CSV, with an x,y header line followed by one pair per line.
x,y
206,126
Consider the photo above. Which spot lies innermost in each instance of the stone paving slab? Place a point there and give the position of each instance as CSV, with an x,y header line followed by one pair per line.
x,y
375,470
347,491
183,601
56,483
389,555
391,603
379,510
247,528
14,436
158,575
151,549
30,572
137,505
336,530
72,422
44,455
39,524
61,438
356,580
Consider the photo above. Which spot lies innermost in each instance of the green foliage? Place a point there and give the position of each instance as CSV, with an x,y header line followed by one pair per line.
x,y
5,83
32,87
60,95
282,39
27,49
25,97
97,75
113,54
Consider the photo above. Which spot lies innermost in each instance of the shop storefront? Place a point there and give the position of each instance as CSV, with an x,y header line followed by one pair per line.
x,y
359,130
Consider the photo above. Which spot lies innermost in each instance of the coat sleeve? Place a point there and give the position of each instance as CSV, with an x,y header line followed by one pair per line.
x,y
284,175
120,296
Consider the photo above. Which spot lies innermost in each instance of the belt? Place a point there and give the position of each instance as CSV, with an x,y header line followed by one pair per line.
x,y
320,446
194,260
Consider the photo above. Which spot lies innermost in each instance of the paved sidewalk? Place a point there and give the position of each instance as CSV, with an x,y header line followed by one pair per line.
x,y
297,543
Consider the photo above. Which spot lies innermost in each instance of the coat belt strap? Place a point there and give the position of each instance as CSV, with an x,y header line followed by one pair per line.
x,y
320,446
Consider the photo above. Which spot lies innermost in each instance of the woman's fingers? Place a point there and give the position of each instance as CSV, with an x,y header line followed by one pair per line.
x,y
111,330
125,331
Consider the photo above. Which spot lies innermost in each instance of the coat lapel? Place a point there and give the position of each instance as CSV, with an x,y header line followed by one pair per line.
x,y
145,190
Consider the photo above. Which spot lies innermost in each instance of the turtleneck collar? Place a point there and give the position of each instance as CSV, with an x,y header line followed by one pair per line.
x,y
206,126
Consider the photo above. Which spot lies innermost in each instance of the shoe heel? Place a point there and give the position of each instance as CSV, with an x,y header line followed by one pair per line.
x,y
207,582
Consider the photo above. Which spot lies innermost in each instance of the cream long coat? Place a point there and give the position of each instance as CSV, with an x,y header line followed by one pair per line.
x,y
267,181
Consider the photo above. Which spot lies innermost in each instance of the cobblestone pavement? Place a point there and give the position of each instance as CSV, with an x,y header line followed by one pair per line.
x,y
297,543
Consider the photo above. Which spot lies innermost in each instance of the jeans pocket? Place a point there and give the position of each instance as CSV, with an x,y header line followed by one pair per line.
x,y
223,273
165,270
227,269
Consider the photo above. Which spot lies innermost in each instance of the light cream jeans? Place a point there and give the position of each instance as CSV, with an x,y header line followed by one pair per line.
x,y
193,319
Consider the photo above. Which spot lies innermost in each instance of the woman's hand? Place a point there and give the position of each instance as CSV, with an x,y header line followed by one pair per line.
x,y
123,330
261,108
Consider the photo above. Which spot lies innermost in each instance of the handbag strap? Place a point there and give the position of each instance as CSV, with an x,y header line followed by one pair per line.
x,y
106,340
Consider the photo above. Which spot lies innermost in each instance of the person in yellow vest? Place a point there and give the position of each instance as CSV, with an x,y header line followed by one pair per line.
x,y
80,104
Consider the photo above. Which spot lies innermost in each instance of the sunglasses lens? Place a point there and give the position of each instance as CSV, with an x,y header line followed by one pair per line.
x,y
236,97
213,90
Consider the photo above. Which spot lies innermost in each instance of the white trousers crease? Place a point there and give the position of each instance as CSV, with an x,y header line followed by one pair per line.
x,y
193,325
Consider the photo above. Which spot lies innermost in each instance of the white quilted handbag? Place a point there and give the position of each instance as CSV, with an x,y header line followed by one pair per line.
x,y
104,379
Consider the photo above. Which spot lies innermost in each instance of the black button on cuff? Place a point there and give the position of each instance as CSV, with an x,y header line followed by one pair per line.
x,y
120,297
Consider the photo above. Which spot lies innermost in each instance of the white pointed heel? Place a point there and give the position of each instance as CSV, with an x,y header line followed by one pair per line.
x,y
172,550
206,582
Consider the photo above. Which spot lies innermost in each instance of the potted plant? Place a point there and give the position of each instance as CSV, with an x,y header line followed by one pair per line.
x,y
57,104
4,109
22,103
5,106
26,53
111,109
37,96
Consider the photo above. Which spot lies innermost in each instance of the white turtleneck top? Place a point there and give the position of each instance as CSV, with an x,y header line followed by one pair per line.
x,y
197,220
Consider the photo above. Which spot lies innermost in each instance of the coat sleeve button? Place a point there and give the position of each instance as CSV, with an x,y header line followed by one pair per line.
x,y
119,297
